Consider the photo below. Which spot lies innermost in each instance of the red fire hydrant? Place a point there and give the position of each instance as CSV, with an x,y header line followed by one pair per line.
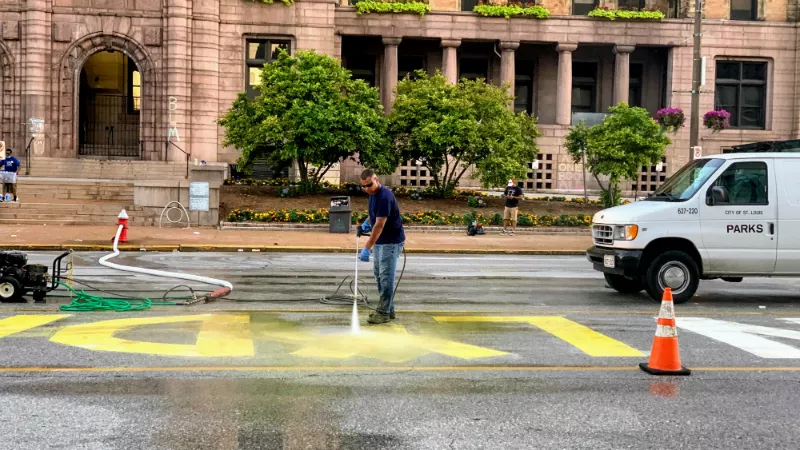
x,y
122,219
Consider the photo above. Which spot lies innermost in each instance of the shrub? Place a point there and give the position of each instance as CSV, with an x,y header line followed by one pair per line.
x,y
285,2
392,7
614,14
512,9
419,218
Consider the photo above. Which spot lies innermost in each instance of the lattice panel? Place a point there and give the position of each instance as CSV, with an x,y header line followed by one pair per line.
x,y
544,176
411,176
650,178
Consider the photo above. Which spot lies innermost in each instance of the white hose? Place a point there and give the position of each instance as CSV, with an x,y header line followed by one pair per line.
x,y
158,273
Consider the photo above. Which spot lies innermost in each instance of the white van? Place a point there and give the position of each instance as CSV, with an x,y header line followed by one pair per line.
x,y
725,216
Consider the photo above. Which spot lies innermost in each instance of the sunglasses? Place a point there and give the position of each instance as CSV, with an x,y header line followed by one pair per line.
x,y
366,186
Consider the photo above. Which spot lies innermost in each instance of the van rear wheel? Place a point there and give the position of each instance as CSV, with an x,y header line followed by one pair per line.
x,y
675,270
624,285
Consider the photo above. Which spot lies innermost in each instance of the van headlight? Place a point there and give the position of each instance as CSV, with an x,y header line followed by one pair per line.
x,y
626,232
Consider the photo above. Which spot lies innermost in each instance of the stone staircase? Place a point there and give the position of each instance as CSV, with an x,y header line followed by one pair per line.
x,y
106,169
88,213
58,191
63,201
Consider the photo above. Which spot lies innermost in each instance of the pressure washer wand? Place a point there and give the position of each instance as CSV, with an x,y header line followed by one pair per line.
x,y
355,288
354,326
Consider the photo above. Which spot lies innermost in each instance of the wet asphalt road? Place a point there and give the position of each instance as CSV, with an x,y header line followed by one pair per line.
x,y
292,375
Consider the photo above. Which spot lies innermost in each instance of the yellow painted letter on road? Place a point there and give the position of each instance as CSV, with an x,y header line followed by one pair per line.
x,y
17,324
587,340
223,335
392,344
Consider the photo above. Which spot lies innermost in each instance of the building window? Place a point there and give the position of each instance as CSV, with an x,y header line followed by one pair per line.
x,y
408,64
363,68
523,87
672,9
635,85
134,88
583,7
474,68
257,53
584,87
468,5
630,4
744,9
741,89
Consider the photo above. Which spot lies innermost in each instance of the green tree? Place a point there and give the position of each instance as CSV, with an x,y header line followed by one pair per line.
x,y
310,111
627,139
449,128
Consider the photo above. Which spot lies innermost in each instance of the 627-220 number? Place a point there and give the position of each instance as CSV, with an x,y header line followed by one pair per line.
x,y
687,210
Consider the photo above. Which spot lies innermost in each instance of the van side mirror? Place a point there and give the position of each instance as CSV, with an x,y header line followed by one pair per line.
x,y
718,195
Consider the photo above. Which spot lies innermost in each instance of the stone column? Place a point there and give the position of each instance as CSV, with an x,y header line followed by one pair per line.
x,y
205,81
389,75
178,80
450,59
622,71
564,89
507,66
35,69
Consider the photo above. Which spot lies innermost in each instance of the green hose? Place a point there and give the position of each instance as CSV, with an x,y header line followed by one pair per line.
x,y
88,302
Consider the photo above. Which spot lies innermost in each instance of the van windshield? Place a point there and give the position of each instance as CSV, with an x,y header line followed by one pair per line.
x,y
684,184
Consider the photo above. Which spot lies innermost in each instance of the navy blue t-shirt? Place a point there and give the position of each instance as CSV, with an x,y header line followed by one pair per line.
x,y
384,204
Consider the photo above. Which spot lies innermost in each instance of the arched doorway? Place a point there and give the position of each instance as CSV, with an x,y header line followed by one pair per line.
x,y
110,102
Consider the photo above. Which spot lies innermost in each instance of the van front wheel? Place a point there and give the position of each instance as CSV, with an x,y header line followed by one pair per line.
x,y
675,270
624,285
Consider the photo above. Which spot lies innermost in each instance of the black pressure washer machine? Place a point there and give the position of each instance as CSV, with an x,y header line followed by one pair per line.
x,y
18,278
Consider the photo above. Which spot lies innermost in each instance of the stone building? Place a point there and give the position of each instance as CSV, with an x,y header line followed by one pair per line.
x,y
117,79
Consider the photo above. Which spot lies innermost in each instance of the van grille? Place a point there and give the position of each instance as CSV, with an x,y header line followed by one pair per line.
x,y
603,234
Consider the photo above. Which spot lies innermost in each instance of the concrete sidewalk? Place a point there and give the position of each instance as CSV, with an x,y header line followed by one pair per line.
x,y
96,238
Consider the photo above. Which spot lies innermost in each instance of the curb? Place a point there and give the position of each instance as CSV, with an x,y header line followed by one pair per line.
x,y
222,248
561,231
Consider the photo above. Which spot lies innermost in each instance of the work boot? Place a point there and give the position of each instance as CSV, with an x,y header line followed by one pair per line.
x,y
391,315
378,318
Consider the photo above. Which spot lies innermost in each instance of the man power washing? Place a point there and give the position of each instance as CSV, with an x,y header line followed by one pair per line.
x,y
386,241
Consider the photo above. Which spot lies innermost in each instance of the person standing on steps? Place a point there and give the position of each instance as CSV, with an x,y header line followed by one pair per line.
x,y
513,195
386,242
10,169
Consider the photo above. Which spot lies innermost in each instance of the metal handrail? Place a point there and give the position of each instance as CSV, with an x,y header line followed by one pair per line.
x,y
28,157
182,151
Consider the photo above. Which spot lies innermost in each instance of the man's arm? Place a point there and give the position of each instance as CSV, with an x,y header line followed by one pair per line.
x,y
377,228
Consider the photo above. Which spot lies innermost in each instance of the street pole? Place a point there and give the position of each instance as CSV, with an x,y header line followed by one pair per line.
x,y
694,125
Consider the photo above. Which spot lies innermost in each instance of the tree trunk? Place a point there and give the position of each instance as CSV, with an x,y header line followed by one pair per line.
x,y
599,183
321,173
301,166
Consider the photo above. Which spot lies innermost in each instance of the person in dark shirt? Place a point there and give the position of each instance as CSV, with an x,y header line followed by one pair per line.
x,y
513,195
386,242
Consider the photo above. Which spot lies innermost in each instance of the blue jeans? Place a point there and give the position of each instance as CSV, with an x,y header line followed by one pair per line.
x,y
386,256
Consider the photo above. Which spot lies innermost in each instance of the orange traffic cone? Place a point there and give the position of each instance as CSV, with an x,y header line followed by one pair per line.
x,y
665,358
